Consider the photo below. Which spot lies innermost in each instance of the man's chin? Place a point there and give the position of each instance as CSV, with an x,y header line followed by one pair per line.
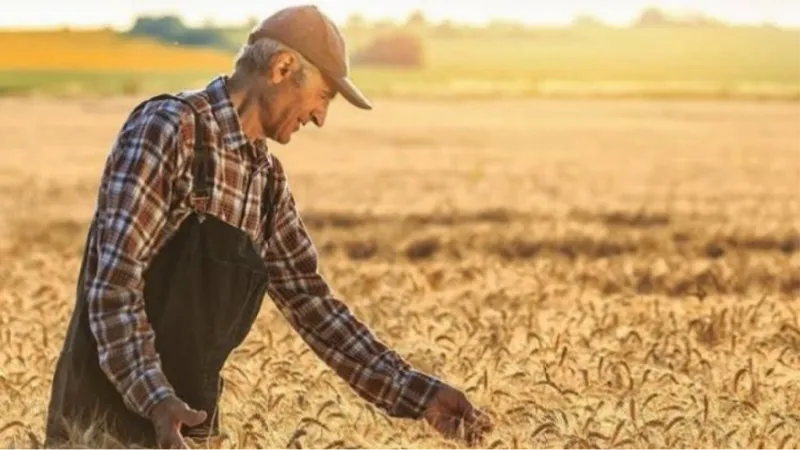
x,y
283,140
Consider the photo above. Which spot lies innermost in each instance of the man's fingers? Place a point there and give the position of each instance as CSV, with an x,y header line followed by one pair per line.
x,y
449,426
454,416
469,416
465,426
475,423
444,423
481,420
191,417
173,440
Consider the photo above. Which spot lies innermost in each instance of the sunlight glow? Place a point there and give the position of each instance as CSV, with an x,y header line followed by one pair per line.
x,y
98,13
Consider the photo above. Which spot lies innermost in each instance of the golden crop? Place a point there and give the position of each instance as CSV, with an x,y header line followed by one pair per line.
x,y
609,274
101,51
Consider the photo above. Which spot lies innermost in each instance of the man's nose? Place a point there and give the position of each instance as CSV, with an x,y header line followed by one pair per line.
x,y
319,117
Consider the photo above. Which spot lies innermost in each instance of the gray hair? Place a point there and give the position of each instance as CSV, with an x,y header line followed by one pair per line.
x,y
254,58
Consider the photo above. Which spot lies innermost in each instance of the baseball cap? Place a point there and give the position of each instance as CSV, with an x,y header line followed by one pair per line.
x,y
312,34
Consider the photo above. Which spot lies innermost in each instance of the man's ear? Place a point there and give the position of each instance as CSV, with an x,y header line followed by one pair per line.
x,y
281,66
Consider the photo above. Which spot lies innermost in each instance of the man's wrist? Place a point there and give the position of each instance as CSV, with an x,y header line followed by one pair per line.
x,y
149,390
415,394
159,406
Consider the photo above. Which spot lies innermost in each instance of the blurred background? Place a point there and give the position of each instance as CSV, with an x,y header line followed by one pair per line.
x,y
708,48
583,213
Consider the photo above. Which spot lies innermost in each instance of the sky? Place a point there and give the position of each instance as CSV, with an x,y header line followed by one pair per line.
x,y
120,14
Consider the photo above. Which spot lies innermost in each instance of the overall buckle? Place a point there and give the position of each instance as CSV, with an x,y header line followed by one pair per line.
x,y
200,206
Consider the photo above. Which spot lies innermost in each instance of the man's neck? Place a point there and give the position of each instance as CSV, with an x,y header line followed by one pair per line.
x,y
246,107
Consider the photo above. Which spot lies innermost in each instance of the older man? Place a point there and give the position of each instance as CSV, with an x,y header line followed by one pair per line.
x,y
195,223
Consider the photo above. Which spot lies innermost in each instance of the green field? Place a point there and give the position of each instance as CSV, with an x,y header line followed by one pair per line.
x,y
714,62
68,83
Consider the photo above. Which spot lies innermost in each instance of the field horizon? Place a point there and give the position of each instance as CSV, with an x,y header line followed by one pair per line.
x,y
604,273
570,62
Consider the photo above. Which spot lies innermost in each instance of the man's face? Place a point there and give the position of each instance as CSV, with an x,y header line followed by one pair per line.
x,y
295,99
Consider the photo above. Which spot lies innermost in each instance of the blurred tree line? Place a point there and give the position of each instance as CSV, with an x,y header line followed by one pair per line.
x,y
401,43
170,29
417,22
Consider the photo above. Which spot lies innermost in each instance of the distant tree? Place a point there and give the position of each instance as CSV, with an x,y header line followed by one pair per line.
x,y
171,29
416,19
652,17
587,21
204,37
167,28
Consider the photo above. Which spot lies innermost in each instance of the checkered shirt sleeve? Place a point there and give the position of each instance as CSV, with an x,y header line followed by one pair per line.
x,y
376,373
131,224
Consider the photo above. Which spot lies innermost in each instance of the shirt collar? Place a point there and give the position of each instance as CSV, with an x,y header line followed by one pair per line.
x,y
227,118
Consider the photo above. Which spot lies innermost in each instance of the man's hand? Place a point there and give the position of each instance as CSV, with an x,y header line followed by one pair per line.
x,y
450,413
167,418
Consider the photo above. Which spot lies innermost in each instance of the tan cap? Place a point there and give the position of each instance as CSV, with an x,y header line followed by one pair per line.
x,y
312,34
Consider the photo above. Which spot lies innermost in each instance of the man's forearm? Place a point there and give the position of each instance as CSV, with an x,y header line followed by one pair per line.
x,y
376,373
326,324
126,346
131,224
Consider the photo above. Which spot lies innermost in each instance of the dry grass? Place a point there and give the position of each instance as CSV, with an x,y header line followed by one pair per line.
x,y
594,274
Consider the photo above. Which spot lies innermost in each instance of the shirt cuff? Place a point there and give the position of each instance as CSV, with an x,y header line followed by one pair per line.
x,y
415,394
147,391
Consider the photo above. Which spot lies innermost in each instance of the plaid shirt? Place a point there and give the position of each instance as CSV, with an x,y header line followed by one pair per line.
x,y
143,198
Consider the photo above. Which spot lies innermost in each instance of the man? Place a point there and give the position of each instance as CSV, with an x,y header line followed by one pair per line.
x,y
195,223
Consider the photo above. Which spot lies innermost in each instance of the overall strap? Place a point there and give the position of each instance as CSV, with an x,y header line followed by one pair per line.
x,y
201,158
269,205
202,170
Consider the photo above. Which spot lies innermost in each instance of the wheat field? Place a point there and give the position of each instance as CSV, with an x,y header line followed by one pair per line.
x,y
591,273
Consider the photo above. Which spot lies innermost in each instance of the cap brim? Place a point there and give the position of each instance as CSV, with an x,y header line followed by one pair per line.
x,y
350,92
